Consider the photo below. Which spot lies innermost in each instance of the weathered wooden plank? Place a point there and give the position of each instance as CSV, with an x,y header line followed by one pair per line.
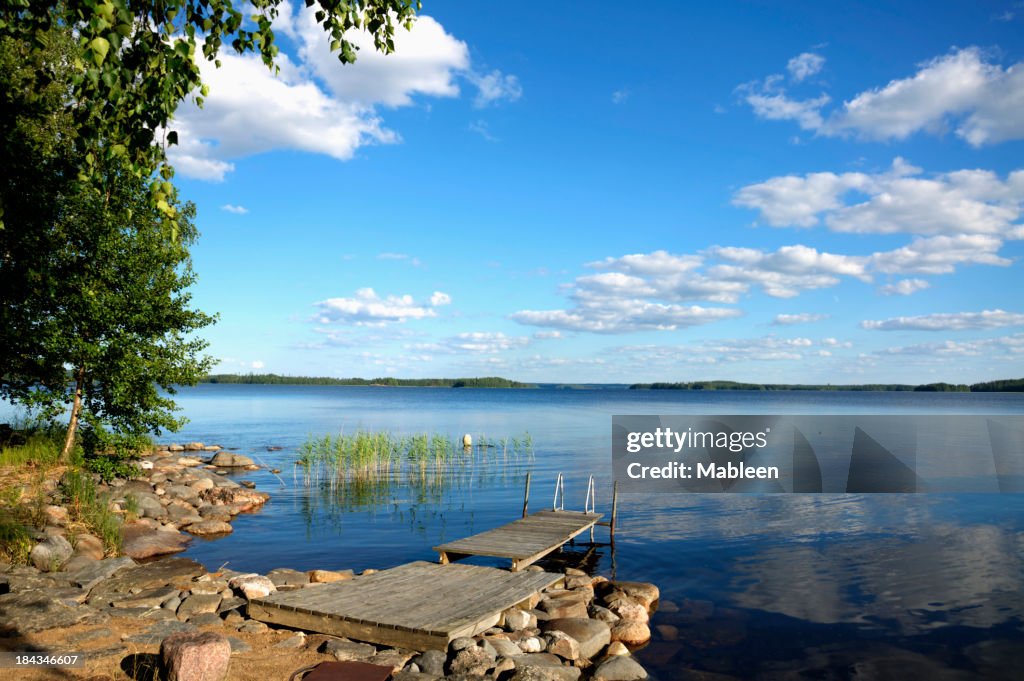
x,y
418,605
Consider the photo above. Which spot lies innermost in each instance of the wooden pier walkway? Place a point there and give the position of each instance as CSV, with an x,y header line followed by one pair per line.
x,y
524,541
419,605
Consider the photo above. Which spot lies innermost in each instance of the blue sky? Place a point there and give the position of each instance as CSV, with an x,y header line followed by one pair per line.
x,y
741,191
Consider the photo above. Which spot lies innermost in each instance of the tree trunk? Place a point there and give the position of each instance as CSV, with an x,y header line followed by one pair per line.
x,y
76,410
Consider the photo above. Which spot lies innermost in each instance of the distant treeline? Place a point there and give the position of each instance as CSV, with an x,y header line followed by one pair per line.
x,y
275,379
1003,386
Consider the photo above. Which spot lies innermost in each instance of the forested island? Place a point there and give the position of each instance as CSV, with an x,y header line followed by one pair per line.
x,y
1002,386
276,379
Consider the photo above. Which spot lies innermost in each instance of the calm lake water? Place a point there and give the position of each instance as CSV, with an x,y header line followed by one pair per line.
x,y
766,586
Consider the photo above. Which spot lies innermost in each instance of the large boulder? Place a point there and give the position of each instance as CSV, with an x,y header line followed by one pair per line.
x,y
229,460
51,553
253,586
206,528
239,498
592,635
201,656
142,541
631,632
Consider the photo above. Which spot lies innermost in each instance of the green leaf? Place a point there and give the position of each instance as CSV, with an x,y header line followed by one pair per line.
x,y
99,47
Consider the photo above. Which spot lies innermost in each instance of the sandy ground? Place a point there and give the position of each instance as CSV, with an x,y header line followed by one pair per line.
x,y
263,662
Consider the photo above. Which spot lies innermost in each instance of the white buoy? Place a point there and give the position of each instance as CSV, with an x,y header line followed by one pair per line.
x,y
467,440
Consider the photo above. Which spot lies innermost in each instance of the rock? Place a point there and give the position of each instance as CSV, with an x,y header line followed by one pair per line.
x,y
252,627
202,484
204,585
194,447
25,612
563,645
248,484
578,582
667,632
253,586
151,598
643,592
461,643
89,545
630,632
516,619
78,562
603,614
197,604
294,641
51,553
474,660
175,571
231,603
410,675
617,648
531,644
206,528
141,541
158,631
238,497
327,576
56,515
175,448
431,662
592,635
229,460
631,610
619,668
505,648
96,571
196,656
564,607
287,577
395,658
545,673
206,619
343,650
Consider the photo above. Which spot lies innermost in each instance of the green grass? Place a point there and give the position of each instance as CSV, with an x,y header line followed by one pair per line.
x,y
39,447
86,505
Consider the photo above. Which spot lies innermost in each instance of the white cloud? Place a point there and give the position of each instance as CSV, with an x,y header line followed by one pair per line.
x,y
723,351
257,364
237,210
367,308
438,299
948,321
904,287
992,349
898,200
940,255
405,257
316,104
485,342
962,91
656,263
799,318
620,96
624,316
494,87
805,65
548,335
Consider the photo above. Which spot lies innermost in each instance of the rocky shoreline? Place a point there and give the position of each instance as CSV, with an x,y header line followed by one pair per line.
x,y
105,607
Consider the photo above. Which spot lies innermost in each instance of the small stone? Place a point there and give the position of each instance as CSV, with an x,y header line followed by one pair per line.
x,y
238,645
531,644
461,643
667,632
89,545
616,648
516,619
564,607
206,619
475,660
431,662
194,447
253,586
327,576
344,650
603,614
207,528
563,645
197,604
619,668
252,627
592,635
51,553
287,577
56,515
630,632
296,640
150,598
395,658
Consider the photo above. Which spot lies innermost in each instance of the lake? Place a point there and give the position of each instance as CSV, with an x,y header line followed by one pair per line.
x,y
767,586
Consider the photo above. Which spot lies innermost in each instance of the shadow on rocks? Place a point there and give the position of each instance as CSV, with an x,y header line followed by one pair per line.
x,y
142,666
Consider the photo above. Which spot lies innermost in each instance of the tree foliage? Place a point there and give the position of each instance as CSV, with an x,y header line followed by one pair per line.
x,y
138,60
94,306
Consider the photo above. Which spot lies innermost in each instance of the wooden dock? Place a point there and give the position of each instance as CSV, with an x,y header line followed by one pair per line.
x,y
524,541
420,606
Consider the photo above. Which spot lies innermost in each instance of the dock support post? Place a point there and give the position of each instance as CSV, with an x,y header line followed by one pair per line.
x,y
526,494
615,509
